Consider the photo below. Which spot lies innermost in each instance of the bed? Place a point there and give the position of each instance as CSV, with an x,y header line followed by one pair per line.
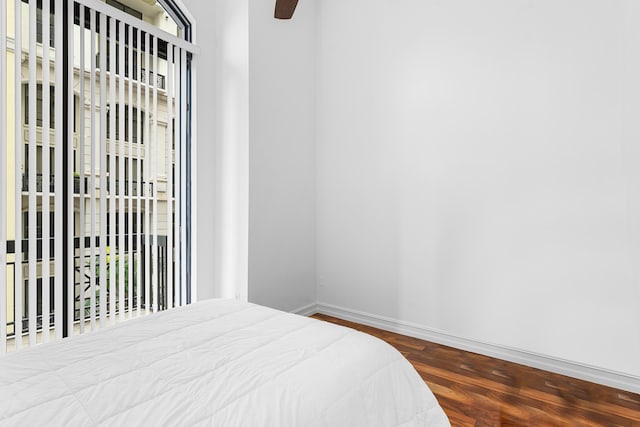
x,y
217,362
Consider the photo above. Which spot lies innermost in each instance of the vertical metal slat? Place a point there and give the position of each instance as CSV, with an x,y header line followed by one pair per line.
x,y
154,170
178,169
193,243
81,173
121,231
46,172
112,170
17,285
129,255
183,181
92,171
169,172
3,178
103,170
59,237
147,143
70,154
139,116
180,294
33,191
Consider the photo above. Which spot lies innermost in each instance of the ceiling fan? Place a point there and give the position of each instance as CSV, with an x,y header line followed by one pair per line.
x,y
285,8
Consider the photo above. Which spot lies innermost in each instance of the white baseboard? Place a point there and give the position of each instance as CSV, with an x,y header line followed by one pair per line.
x,y
564,367
306,310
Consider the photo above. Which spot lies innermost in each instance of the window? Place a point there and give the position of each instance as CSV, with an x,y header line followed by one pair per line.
x,y
52,28
52,169
118,210
131,11
127,48
25,224
129,135
52,105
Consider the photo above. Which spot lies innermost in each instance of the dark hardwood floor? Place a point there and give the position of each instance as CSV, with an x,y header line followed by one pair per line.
x,y
476,390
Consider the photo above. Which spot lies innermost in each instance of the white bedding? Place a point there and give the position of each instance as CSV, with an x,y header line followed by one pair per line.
x,y
217,362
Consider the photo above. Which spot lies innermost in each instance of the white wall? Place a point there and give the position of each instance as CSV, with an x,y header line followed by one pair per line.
x,y
478,170
242,46
476,166
282,156
222,33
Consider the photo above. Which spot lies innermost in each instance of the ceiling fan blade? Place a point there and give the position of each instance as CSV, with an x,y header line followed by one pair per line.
x,y
285,8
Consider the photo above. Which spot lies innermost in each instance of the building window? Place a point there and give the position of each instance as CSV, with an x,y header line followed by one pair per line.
x,y
39,169
126,9
130,135
52,106
52,28
38,228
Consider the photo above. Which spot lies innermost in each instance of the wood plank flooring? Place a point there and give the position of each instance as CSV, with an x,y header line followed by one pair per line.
x,y
476,390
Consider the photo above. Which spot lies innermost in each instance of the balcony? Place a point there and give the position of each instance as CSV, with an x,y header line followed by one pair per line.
x,y
25,183
136,186
158,80
133,257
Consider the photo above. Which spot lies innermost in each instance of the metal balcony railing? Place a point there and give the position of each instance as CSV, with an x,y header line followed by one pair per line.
x,y
158,80
134,259
136,186
155,79
25,183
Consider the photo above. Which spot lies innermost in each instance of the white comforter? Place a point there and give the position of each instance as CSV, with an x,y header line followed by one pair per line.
x,y
218,362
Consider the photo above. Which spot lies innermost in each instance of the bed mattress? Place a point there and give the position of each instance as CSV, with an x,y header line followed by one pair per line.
x,y
217,362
